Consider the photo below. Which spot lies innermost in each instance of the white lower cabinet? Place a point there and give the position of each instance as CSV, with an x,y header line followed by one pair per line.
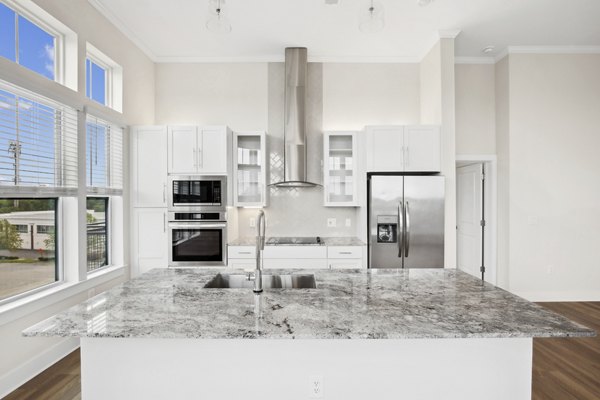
x,y
242,257
150,248
304,257
344,257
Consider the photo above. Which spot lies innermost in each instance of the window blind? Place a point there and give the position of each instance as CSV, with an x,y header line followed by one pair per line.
x,y
104,157
38,144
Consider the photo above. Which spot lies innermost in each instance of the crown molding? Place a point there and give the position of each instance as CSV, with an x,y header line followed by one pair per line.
x,y
553,49
121,26
280,58
474,60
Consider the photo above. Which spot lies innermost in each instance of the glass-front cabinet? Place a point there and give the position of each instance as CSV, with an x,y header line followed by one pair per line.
x,y
249,187
340,169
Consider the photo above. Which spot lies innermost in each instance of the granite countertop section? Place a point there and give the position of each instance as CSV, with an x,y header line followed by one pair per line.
x,y
326,241
347,304
343,241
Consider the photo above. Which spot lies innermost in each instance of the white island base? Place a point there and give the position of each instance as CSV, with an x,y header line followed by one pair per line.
x,y
270,369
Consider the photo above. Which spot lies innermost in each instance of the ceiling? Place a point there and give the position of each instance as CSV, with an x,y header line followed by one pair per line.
x,y
174,30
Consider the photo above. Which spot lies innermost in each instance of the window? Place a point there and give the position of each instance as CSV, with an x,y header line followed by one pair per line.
x,y
97,228
34,39
95,82
27,257
103,79
104,157
38,142
27,44
45,229
22,228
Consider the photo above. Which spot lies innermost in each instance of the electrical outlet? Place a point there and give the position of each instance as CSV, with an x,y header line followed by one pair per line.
x,y
252,222
348,222
331,222
315,384
549,269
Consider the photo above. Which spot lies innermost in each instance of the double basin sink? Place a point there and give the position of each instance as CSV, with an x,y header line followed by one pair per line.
x,y
239,281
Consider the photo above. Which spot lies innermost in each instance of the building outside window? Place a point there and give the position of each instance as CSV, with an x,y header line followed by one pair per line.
x,y
27,253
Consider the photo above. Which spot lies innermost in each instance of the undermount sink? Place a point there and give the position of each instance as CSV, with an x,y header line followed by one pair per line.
x,y
239,281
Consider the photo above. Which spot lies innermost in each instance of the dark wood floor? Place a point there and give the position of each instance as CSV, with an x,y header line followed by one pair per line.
x,y
62,381
563,369
568,369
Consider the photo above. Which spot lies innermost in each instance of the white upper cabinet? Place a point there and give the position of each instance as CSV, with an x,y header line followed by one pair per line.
x,y
422,149
213,150
249,169
384,148
340,169
183,149
403,148
195,150
149,166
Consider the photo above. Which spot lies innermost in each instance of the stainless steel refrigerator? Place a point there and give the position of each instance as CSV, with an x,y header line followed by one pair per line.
x,y
406,221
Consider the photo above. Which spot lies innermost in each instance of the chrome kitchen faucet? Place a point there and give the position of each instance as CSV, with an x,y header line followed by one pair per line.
x,y
260,246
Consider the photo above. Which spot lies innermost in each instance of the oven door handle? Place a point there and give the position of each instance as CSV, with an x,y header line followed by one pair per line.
x,y
197,226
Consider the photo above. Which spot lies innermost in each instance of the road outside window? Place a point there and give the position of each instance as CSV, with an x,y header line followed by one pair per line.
x,y
27,253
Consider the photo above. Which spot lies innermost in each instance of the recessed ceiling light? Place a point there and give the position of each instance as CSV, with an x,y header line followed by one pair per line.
x,y
488,49
424,3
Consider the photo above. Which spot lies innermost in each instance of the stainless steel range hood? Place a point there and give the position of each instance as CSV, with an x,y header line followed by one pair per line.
x,y
294,133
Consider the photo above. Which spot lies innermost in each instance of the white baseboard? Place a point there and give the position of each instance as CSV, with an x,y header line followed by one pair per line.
x,y
559,296
29,369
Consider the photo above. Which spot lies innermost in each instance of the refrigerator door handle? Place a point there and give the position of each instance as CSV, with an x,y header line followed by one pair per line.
x,y
400,233
407,236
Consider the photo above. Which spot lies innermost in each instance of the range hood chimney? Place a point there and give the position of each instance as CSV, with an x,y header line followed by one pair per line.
x,y
294,130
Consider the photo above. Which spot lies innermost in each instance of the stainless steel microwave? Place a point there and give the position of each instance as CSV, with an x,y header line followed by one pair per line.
x,y
197,193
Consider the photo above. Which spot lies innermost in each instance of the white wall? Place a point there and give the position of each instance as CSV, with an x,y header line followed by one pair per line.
x,y
355,95
437,89
502,91
20,356
554,196
233,94
475,109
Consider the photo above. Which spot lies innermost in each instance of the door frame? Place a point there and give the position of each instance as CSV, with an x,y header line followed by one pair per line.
x,y
490,244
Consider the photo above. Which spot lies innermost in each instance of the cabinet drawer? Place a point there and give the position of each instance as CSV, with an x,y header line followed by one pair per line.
x,y
346,263
295,252
311,263
241,252
241,263
344,252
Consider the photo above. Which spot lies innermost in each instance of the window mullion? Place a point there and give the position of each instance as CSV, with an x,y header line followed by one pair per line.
x,y
16,37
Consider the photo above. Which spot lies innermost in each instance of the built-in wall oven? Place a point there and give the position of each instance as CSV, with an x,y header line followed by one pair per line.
x,y
197,193
197,238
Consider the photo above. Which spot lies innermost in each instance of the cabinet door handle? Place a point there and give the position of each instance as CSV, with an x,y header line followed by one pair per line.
x,y
345,252
165,222
245,252
164,193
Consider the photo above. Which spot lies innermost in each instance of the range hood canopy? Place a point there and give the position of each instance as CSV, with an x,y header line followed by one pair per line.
x,y
294,129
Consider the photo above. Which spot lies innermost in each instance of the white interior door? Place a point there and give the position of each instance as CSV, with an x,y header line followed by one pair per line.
x,y
469,216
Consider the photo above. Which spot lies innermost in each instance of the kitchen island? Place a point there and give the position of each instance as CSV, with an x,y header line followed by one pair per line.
x,y
380,334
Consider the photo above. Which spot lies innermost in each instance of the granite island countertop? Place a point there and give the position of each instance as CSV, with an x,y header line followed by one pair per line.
x,y
325,241
347,304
